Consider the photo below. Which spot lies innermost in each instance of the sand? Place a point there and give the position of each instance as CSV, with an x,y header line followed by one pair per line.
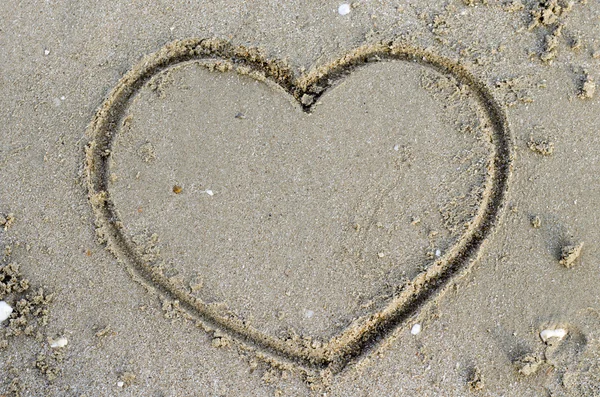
x,y
265,198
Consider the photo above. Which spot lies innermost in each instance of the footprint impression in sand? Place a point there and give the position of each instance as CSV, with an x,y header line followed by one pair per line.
x,y
308,216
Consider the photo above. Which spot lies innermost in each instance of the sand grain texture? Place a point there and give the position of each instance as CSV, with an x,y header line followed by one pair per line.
x,y
297,224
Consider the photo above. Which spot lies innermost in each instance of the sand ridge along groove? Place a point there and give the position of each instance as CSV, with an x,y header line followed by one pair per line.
x,y
365,333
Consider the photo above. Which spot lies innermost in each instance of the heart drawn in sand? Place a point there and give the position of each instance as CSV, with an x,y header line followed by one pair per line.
x,y
364,333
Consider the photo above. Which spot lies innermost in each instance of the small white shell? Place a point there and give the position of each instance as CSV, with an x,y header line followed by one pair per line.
x,y
5,311
415,329
58,343
553,333
344,9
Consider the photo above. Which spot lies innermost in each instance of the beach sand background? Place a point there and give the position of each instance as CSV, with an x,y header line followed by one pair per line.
x,y
299,223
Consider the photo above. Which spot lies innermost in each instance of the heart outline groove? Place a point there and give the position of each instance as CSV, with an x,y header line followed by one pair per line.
x,y
363,335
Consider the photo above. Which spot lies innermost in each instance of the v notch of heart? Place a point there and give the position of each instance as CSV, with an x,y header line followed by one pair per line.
x,y
364,334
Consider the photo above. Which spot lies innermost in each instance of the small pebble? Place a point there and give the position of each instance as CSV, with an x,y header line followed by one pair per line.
x,y
5,311
344,9
120,383
415,329
46,52
438,253
209,192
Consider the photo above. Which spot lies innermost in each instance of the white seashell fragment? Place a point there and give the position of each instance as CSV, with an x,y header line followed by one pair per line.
x,y
58,343
5,311
553,333
415,329
344,9
209,192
